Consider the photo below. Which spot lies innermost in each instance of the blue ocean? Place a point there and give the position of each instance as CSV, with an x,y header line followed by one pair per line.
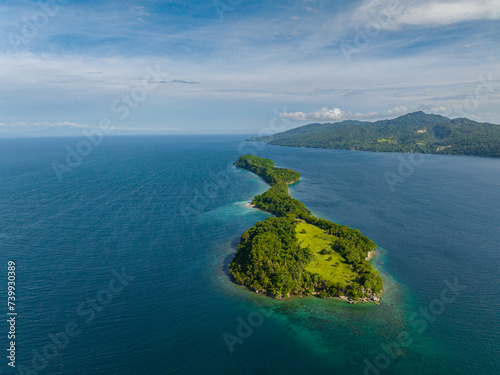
x,y
122,260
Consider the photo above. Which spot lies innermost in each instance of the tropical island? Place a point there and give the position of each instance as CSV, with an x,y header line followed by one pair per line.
x,y
414,132
296,253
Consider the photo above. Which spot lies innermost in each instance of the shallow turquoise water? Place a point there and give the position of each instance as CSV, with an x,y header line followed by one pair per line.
x,y
171,210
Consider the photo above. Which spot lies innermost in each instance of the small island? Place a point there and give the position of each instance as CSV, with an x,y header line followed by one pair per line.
x,y
296,253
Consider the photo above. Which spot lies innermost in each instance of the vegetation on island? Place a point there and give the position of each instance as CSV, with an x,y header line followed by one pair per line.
x,y
296,252
414,132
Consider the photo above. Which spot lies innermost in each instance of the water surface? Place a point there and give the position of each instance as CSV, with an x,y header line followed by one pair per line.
x,y
170,210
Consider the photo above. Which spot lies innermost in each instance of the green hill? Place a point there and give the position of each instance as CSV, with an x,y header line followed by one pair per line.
x,y
414,132
298,253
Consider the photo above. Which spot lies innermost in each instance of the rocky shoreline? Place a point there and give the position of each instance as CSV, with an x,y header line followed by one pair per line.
x,y
372,299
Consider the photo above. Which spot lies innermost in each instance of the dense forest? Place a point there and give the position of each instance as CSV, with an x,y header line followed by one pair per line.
x,y
270,258
414,132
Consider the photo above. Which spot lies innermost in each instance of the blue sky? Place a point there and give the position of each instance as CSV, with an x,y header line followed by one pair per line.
x,y
240,66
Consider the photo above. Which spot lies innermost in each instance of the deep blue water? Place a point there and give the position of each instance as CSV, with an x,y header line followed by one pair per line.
x,y
168,211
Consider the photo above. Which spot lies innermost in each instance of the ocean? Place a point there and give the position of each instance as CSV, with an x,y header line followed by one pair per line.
x,y
121,260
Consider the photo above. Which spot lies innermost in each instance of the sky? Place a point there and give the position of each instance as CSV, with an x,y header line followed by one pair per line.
x,y
241,66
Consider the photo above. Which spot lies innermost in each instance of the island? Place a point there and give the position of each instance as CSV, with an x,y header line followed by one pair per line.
x,y
415,132
296,253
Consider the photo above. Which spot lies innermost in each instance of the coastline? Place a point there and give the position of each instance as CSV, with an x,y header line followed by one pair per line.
x,y
373,299
371,255
276,240
251,205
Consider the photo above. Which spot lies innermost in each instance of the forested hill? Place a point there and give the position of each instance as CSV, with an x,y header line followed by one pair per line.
x,y
414,132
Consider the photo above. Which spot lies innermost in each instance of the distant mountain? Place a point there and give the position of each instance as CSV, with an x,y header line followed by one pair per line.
x,y
414,132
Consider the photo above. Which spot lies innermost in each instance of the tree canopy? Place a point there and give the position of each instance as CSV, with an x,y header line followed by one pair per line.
x,y
414,132
270,258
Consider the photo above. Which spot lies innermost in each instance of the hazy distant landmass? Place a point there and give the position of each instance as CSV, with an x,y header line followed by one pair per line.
x,y
414,132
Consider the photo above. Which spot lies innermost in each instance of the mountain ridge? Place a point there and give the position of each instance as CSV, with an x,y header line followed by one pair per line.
x,y
413,132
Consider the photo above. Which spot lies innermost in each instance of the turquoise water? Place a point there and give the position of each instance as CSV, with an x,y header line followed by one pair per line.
x,y
168,211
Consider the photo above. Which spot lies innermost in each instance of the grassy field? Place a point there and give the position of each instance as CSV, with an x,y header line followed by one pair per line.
x,y
330,266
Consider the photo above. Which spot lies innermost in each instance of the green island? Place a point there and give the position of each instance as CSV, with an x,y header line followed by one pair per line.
x,y
414,132
296,253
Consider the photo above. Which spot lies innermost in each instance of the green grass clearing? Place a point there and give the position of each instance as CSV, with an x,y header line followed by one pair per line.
x,y
317,239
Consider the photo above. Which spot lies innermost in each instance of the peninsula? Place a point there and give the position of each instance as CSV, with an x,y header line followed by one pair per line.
x,y
296,253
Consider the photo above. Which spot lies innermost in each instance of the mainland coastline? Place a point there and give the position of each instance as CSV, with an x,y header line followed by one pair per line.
x,y
296,253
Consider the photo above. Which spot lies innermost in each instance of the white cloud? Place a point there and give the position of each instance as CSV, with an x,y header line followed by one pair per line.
x,y
438,109
44,124
19,124
322,114
337,114
325,114
140,10
57,124
397,111
389,14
